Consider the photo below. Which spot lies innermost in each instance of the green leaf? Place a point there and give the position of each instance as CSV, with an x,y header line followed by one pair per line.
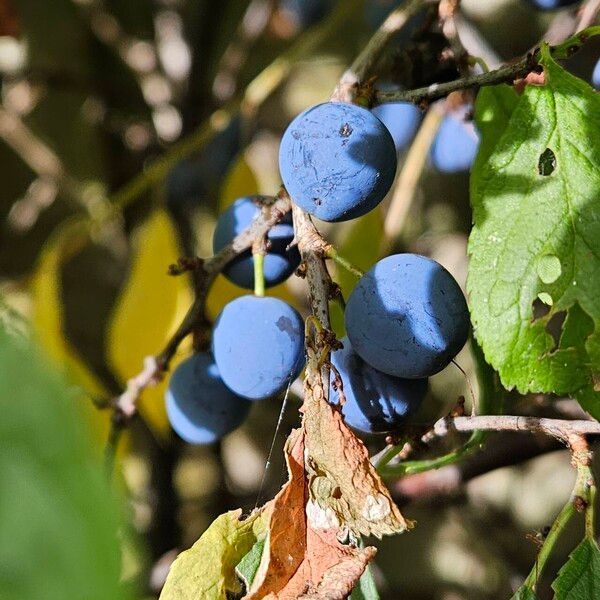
x,y
493,110
247,567
207,569
524,593
579,578
366,588
536,238
59,519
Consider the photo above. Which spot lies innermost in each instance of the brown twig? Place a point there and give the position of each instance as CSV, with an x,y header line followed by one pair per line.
x,y
561,429
505,74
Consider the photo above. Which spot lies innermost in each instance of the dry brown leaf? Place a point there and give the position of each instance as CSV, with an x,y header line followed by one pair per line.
x,y
302,559
342,480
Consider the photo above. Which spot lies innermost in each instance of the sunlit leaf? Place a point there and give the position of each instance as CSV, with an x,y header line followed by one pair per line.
x,y
536,238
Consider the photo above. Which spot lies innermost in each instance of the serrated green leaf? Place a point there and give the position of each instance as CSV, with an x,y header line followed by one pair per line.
x,y
540,234
247,567
59,520
366,588
524,593
207,569
579,578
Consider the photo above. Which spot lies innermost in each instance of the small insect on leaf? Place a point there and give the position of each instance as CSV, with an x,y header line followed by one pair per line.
x,y
547,162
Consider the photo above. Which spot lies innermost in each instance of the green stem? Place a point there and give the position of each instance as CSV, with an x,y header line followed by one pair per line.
x,y
488,398
564,516
259,274
333,254
583,490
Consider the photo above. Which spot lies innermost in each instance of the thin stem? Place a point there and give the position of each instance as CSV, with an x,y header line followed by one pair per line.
x,y
505,74
583,494
347,89
334,255
488,398
585,488
259,274
561,521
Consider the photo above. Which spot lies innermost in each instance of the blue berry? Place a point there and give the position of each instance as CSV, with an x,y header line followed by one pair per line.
x,y
200,407
407,316
552,4
279,262
258,344
375,402
401,119
596,76
455,145
304,13
337,161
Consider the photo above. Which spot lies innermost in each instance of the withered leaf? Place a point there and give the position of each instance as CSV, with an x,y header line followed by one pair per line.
x,y
342,480
302,559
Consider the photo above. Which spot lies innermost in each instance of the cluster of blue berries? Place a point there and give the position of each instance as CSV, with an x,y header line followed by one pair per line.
x,y
406,319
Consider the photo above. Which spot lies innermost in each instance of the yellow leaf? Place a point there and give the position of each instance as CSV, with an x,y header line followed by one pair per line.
x,y
239,181
47,320
207,569
150,308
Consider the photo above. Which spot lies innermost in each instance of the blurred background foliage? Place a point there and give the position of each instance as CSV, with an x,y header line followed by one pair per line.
x,y
126,126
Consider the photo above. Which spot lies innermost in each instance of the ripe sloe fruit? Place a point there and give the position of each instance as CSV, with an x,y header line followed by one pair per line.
x,y
401,119
258,345
552,4
375,402
596,76
201,409
455,145
279,263
337,161
407,316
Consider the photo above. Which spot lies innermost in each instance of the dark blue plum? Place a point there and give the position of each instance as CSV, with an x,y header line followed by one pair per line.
x,y
337,161
304,13
552,4
279,263
402,120
258,345
407,316
375,402
456,143
200,407
596,76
